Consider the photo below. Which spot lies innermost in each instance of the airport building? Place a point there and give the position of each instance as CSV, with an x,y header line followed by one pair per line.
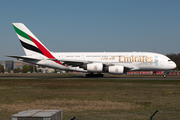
x,y
11,64
7,64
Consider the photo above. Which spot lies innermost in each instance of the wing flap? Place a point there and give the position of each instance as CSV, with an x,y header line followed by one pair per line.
x,y
74,63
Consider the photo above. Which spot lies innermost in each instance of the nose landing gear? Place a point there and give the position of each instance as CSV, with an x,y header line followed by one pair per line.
x,y
164,75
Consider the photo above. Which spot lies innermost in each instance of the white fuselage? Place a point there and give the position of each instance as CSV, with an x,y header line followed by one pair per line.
x,y
91,62
134,61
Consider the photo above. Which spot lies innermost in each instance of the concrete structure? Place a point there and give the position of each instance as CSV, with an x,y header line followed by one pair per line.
x,y
36,114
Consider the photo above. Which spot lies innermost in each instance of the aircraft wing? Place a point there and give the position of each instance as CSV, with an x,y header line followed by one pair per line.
x,y
73,63
78,63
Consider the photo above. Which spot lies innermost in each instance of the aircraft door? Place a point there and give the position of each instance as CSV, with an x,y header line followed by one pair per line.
x,y
83,57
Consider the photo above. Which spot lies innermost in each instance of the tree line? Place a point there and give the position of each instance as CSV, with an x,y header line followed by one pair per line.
x,y
25,69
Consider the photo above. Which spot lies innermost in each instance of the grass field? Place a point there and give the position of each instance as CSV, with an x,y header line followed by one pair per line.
x,y
93,99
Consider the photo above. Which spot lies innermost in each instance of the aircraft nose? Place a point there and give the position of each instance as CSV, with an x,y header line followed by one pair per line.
x,y
173,65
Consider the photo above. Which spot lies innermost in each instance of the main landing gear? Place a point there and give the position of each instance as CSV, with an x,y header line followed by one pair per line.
x,y
94,75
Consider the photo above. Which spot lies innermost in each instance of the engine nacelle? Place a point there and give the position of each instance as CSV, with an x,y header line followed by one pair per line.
x,y
95,67
116,69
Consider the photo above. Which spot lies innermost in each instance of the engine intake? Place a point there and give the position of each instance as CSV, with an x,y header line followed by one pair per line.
x,y
116,69
95,67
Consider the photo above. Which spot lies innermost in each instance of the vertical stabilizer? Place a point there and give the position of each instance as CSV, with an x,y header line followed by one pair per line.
x,y
31,45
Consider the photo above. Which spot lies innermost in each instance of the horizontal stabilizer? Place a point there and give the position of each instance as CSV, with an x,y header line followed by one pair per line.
x,y
24,57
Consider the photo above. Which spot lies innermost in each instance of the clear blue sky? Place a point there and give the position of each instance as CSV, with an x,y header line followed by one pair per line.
x,y
93,25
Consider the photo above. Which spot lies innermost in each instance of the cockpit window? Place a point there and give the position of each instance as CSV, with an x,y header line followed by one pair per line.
x,y
169,60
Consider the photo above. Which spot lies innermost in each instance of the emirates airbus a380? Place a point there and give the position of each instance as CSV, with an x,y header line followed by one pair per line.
x,y
92,63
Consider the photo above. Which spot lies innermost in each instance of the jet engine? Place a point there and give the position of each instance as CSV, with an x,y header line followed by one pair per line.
x,y
95,67
116,69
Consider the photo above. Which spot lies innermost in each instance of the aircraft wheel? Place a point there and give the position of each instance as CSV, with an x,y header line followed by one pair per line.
x,y
165,72
164,75
94,75
100,75
87,75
